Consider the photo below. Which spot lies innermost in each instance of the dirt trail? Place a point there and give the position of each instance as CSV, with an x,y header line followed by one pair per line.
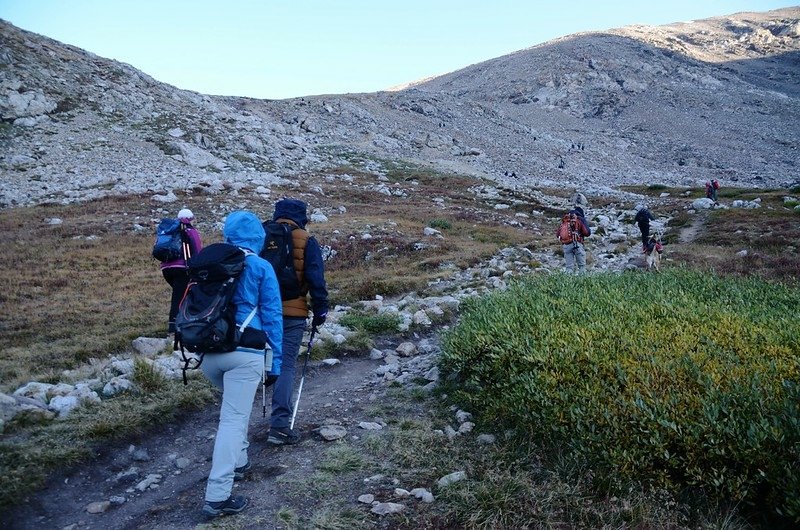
x,y
341,392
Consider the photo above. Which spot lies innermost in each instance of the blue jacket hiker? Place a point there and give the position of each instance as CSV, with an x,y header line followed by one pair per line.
x,y
238,373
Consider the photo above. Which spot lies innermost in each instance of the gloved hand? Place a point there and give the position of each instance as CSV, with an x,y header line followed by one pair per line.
x,y
271,380
318,320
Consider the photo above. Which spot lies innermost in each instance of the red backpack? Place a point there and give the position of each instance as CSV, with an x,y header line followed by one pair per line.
x,y
569,231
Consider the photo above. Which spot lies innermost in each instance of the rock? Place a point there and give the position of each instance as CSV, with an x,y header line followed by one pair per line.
x,y
63,405
485,439
182,463
116,385
150,346
98,506
421,318
140,455
151,480
462,416
456,476
702,204
450,432
116,500
466,427
387,508
370,426
34,390
406,349
742,253
367,498
330,433
8,407
330,362
376,354
432,374
422,494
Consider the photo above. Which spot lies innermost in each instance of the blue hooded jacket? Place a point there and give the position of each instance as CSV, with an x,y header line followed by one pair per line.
x,y
258,285
314,269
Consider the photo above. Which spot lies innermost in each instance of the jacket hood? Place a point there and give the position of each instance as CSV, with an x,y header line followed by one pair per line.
x,y
293,209
243,229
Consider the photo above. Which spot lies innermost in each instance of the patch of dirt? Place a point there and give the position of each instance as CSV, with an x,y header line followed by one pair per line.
x,y
340,392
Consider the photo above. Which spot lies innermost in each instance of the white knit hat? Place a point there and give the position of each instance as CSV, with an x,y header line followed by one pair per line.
x,y
185,215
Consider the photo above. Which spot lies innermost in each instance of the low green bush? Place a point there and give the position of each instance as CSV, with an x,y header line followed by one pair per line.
x,y
442,224
372,323
677,380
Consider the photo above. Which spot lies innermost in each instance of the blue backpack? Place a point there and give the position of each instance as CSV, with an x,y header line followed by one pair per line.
x,y
169,240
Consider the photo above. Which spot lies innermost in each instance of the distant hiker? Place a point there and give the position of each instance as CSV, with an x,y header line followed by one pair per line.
x,y
513,174
579,199
560,163
711,189
238,373
310,273
571,231
643,218
176,242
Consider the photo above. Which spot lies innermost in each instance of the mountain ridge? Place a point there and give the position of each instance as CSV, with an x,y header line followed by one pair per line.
x,y
595,110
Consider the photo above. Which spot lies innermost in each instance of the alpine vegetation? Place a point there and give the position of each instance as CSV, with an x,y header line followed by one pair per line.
x,y
679,380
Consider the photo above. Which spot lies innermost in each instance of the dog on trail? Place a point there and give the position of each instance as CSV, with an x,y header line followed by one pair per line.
x,y
653,253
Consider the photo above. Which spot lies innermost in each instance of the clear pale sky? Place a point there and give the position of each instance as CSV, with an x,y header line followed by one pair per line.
x,y
288,48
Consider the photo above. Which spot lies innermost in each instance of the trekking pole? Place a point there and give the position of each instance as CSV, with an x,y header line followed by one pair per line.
x,y
303,376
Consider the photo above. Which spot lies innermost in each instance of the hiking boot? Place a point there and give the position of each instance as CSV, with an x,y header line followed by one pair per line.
x,y
239,472
283,436
228,507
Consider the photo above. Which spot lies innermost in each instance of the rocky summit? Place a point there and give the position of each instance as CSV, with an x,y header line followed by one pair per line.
x,y
676,104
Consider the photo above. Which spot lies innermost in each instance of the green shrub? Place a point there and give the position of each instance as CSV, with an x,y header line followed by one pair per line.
x,y
440,224
383,323
678,379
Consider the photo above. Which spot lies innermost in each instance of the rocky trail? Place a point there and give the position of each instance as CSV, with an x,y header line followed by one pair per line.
x,y
159,480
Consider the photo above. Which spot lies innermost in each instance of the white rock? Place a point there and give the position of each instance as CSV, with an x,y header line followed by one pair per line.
x,y
370,426
423,494
421,318
330,362
406,349
332,432
116,385
150,346
387,508
400,492
367,498
34,390
456,476
63,405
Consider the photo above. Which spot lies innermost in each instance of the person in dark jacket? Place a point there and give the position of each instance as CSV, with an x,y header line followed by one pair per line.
x,y
643,218
176,271
310,272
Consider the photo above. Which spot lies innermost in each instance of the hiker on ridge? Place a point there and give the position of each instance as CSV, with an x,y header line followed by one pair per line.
x,y
571,232
643,218
238,373
175,271
310,273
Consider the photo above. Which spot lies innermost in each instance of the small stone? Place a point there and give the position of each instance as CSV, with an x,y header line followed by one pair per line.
x,y
367,498
451,478
387,508
466,427
422,494
331,362
116,500
486,439
332,432
98,506
182,463
402,493
370,426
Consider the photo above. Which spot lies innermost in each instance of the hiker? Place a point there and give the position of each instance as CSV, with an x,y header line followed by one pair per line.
x,y
238,373
579,199
175,270
711,189
643,218
311,277
571,232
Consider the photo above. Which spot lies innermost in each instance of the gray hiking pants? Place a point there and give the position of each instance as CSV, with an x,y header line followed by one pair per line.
x,y
238,374
575,254
293,329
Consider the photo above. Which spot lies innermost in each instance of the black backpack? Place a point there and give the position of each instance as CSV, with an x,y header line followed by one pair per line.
x,y
206,319
279,251
169,244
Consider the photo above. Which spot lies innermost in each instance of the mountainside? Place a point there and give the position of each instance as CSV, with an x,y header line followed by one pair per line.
x,y
671,104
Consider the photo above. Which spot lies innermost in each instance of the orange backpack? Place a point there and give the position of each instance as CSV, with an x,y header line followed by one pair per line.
x,y
569,231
